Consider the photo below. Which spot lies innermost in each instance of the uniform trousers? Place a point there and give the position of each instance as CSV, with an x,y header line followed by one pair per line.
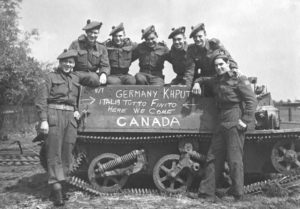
x,y
148,79
60,144
119,79
227,144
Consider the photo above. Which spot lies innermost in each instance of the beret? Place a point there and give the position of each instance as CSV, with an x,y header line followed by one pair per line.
x,y
67,53
196,29
116,29
146,32
219,53
180,30
92,25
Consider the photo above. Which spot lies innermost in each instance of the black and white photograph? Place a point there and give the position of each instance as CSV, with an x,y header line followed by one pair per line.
x,y
162,104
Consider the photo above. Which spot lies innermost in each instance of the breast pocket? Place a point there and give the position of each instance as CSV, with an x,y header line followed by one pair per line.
x,y
82,56
59,87
95,58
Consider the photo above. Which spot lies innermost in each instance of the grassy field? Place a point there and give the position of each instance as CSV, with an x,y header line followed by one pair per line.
x,y
26,187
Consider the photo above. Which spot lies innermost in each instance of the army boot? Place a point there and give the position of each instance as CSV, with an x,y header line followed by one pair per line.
x,y
58,199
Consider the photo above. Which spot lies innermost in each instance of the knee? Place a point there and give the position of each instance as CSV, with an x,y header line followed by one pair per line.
x,y
112,80
140,79
130,80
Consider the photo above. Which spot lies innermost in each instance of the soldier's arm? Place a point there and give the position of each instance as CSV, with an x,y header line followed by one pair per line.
x,y
248,97
41,99
135,53
189,71
104,62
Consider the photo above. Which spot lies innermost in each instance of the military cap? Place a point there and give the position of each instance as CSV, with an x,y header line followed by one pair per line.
x,y
146,32
180,30
67,53
196,29
92,25
116,29
219,53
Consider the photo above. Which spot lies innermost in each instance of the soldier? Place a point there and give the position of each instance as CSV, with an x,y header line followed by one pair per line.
x,y
57,109
92,61
202,50
151,55
180,58
120,55
236,104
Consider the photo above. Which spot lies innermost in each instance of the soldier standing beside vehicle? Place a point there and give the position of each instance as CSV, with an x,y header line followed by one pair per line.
x,y
120,55
180,58
202,50
92,62
57,109
151,55
236,105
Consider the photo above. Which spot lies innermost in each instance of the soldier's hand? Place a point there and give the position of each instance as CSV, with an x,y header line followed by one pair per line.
x,y
44,127
76,115
242,126
103,79
196,89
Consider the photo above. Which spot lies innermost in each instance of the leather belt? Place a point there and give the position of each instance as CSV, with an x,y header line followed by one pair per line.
x,y
61,107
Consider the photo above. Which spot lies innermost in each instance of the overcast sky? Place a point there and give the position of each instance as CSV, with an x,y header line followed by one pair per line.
x,y
263,36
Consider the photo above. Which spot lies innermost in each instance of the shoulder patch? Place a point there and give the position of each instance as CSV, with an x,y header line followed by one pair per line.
x,y
81,37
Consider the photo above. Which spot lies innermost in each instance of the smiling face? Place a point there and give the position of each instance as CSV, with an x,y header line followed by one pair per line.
x,y
200,38
118,37
92,35
178,41
67,64
221,66
151,40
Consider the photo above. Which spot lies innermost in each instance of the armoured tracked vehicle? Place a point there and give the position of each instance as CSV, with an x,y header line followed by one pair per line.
x,y
164,132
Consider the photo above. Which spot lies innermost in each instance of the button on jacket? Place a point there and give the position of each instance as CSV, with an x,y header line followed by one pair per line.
x,y
183,64
93,58
151,60
58,88
202,57
120,57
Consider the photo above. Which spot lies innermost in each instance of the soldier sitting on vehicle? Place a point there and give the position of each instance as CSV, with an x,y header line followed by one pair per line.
x,y
92,62
151,55
201,51
180,58
57,109
120,55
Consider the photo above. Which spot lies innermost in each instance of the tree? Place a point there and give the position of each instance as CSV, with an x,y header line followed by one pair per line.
x,y
19,72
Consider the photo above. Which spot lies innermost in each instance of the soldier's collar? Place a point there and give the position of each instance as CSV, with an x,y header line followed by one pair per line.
x,y
185,47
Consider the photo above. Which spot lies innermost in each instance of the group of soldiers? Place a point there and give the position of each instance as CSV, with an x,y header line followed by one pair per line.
x,y
90,63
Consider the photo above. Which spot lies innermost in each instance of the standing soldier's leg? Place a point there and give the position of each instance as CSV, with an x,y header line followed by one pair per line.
x,y
69,142
53,146
215,164
235,144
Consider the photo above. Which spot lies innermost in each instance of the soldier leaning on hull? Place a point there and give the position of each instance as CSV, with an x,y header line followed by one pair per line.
x,y
92,62
180,58
202,50
120,55
236,105
57,108
151,55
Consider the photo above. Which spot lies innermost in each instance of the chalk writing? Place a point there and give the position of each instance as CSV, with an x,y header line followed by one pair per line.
x,y
147,121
